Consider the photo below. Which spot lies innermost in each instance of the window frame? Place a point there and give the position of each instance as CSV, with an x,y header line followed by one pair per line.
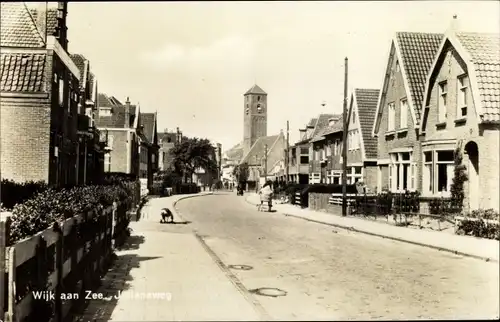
x,y
442,101
391,117
403,116
462,93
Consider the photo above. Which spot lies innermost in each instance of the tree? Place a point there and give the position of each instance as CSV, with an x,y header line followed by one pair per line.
x,y
193,153
457,185
241,172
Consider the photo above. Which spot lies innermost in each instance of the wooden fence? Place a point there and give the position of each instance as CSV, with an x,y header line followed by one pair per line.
x,y
46,276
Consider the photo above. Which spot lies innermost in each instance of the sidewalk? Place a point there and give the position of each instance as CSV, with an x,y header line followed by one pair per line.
x,y
462,245
165,274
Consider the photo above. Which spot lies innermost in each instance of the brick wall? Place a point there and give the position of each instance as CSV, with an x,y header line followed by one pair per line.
x,y
395,93
119,154
466,130
25,139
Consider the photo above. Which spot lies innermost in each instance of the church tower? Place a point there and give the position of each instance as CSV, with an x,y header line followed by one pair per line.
x,y
255,117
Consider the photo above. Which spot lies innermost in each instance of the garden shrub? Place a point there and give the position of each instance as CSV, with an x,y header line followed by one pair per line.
x,y
475,224
13,193
44,209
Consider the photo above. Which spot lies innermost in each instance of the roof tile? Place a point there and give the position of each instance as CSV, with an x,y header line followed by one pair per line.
x,y
22,72
367,100
257,150
418,51
484,49
17,27
147,120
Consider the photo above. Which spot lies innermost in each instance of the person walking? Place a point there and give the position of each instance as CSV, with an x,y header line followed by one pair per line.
x,y
266,195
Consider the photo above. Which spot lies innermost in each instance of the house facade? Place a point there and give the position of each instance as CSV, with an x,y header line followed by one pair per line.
x,y
397,118
40,92
167,141
462,109
148,147
119,125
90,155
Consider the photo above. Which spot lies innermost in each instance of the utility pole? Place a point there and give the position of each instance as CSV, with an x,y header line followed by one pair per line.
x,y
287,156
265,163
344,149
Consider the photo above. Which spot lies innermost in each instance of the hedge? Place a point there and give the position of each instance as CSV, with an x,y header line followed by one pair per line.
x,y
479,227
13,193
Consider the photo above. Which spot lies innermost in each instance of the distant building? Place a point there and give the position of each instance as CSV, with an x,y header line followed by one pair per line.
x,y
166,142
148,147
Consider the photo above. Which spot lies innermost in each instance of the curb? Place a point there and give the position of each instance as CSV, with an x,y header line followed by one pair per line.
x,y
456,252
187,197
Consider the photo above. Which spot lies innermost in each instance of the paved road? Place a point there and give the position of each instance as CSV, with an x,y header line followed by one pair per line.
x,y
335,274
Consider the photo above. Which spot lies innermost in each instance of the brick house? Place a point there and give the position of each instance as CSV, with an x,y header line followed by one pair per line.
x,y
90,157
397,118
462,109
40,93
317,169
148,147
119,124
361,146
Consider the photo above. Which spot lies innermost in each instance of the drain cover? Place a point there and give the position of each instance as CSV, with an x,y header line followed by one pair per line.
x,y
269,291
241,267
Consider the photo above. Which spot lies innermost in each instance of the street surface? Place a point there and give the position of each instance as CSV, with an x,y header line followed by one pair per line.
x,y
314,271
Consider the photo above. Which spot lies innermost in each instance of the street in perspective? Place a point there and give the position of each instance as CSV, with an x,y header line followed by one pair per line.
x,y
249,161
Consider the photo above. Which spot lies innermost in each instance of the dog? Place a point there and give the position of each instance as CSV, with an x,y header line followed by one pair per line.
x,y
165,215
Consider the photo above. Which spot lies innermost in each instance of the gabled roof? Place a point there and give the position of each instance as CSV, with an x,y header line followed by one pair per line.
x,y
415,53
82,63
322,124
51,19
481,54
255,90
258,149
18,28
117,117
148,121
22,72
366,104
312,122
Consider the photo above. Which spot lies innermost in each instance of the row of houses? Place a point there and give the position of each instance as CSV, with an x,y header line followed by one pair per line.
x,y
439,92
55,125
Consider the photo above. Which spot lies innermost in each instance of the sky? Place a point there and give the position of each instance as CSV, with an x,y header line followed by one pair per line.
x,y
193,61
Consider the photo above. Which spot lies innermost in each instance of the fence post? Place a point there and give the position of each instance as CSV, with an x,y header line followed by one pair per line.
x,y
4,241
59,272
11,315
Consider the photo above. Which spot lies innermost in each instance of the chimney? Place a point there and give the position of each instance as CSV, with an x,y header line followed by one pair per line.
x,y
454,24
127,113
62,29
41,20
332,121
302,133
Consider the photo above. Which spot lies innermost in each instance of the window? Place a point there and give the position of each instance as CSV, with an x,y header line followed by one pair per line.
x,y
316,154
304,151
336,147
61,92
353,117
462,96
56,78
107,161
443,92
110,141
247,110
354,174
392,112
259,108
328,150
397,66
304,159
438,172
403,119
258,98
402,172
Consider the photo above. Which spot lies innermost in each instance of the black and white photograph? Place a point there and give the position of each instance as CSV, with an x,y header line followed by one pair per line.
x,y
249,161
